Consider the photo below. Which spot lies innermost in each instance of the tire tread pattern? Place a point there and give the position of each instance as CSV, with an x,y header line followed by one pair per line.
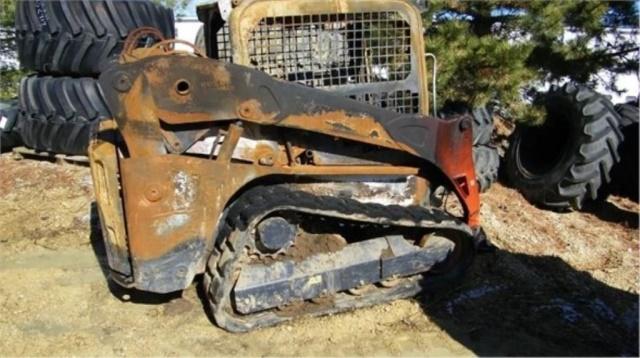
x,y
58,114
624,175
80,37
590,159
486,162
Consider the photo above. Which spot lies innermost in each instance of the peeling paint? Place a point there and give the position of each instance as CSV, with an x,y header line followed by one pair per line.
x,y
169,224
184,191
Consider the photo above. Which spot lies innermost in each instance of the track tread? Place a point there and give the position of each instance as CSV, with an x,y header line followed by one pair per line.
x,y
258,201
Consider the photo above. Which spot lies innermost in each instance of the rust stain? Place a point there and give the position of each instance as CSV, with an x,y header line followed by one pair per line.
x,y
221,76
181,118
252,110
341,124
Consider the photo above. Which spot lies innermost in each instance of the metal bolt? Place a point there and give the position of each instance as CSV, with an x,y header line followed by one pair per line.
x,y
181,272
266,161
153,193
246,110
464,125
122,82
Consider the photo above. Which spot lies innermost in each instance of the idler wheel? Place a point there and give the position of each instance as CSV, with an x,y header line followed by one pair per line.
x,y
274,234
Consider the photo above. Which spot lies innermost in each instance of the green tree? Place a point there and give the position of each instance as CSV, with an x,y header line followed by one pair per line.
x,y
10,74
492,50
178,6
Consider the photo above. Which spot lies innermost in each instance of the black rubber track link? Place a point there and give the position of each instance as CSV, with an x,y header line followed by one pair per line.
x,y
567,160
487,163
79,37
58,114
235,237
624,177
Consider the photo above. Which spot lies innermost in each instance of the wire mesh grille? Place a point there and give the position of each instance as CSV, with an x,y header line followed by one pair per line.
x,y
223,43
399,101
333,50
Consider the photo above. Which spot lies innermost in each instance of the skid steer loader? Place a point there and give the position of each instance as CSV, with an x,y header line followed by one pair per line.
x,y
289,200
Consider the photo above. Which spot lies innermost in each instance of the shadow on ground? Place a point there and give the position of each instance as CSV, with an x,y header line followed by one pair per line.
x,y
607,211
520,305
601,208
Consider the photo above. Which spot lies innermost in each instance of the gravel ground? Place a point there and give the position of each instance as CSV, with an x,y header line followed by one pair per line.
x,y
557,284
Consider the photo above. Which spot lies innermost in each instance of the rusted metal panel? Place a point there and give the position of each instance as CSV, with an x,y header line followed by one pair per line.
x,y
173,205
103,156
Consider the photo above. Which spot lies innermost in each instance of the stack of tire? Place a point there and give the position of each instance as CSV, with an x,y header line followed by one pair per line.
x,y
624,177
485,156
572,158
68,44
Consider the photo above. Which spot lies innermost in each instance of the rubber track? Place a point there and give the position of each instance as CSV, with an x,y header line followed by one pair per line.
x,y
487,163
256,202
589,164
79,37
58,114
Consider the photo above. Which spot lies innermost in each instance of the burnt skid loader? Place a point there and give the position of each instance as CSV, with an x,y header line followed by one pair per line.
x,y
288,200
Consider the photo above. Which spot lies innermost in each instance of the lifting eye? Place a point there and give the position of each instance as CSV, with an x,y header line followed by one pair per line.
x,y
183,87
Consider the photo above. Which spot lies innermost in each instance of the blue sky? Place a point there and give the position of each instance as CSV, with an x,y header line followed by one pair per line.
x,y
191,9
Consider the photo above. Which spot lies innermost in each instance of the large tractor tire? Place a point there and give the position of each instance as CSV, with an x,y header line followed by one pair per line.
x,y
628,114
60,113
80,37
482,126
486,162
625,179
9,136
566,161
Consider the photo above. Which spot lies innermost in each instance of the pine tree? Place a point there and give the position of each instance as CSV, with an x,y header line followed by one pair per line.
x,y
494,50
9,73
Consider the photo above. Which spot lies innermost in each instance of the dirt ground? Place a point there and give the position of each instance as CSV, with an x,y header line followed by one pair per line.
x,y
557,284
